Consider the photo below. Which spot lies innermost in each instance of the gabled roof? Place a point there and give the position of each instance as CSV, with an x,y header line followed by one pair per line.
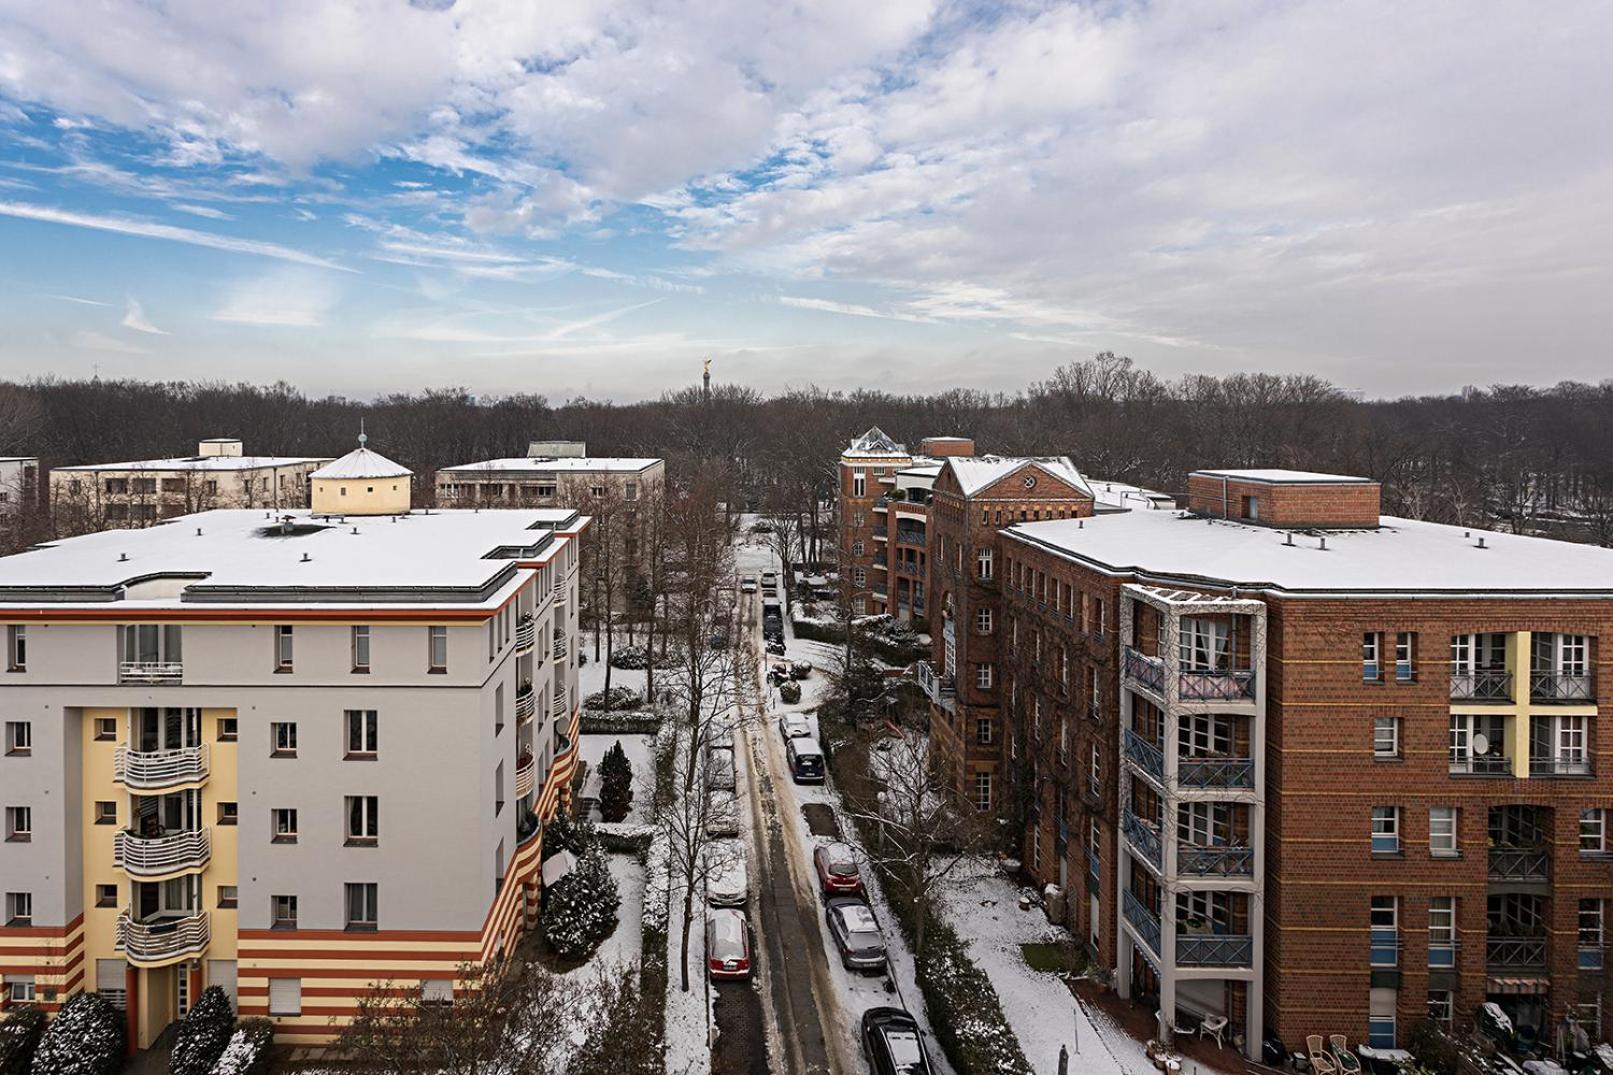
x,y
875,442
361,463
978,472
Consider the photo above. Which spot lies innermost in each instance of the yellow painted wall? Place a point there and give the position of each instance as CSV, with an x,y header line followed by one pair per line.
x,y
100,923
361,496
222,786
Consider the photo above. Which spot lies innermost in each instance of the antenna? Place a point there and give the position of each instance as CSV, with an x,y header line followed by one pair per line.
x,y
363,437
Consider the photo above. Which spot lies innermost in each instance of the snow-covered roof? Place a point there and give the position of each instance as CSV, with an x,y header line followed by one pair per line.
x,y
361,463
1285,477
555,465
875,442
1400,556
976,472
239,557
209,463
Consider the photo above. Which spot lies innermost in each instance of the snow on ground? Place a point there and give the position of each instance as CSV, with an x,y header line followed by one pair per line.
x,y
591,676
626,943
688,1015
983,906
640,751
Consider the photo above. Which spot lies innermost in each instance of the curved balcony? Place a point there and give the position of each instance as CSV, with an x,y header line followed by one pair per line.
x,y
526,703
160,856
155,769
558,709
526,633
149,672
157,942
559,646
524,770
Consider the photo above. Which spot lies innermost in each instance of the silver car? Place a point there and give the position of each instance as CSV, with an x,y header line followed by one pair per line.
x,y
856,934
727,879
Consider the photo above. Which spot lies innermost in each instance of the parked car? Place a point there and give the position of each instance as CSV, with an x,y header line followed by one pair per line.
x,y
892,1043
806,760
727,944
794,726
720,736
770,579
720,769
775,647
722,813
856,934
727,879
837,870
747,584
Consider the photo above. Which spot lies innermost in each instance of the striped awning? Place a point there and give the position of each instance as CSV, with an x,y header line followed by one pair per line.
x,y
1518,986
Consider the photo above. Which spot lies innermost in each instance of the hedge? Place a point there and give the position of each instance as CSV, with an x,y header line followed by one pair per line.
x,y
203,1034
19,1037
249,1050
639,722
85,1038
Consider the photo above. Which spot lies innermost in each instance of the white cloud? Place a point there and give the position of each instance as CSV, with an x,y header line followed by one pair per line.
x,y
850,309
292,298
134,317
203,211
152,230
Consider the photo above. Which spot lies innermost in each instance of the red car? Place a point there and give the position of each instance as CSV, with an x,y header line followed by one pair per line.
x,y
837,870
727,944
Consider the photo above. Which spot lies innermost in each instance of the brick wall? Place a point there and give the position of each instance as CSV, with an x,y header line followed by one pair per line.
x,y
1323,504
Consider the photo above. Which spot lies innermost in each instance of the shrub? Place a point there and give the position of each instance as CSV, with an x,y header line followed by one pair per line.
x,y
631,658
203,1034
638,722
615,698
248,1050
789,692
567,833
19,1037
615,783
1432,1048
85,1038
964,1008
800,669
580,910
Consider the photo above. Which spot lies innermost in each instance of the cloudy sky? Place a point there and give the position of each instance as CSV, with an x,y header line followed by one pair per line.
x,y
589,196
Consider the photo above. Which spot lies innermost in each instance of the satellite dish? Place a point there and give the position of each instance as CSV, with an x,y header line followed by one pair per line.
x,y
1481,743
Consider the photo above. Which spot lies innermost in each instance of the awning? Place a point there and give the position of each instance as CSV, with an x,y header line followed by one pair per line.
x,y
1518,986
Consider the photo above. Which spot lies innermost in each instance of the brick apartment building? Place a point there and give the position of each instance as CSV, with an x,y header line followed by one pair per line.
x,y
1295,765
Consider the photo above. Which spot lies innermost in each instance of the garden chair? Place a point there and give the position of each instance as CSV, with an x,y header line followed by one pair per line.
x,y
1349,1063
1321,1062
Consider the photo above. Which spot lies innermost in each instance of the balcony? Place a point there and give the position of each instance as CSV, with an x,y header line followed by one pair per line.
x,y
524,771
1147,671
559,646
881,503
1215,772
908,567
526,633
1560,765
879,589
1481,765
1146,755
881,533
526,703
1481,685
1217,685
1590,957
940,689
1215,861
912,536
161,940
155,769
558,709
1144,921
151,672
158,856
1557,687
1144,838
1515,953
1214,950
1520,864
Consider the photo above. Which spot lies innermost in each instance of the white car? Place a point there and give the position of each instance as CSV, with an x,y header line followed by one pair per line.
x,y
747,584
727,879
794,726
722,813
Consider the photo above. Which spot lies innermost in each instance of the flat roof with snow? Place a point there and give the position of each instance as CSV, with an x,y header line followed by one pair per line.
x,y
1402,556
246,557
555,465
1284,477
202,462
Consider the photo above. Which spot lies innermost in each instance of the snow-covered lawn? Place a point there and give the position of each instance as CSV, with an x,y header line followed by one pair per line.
x,y
591,676
626,943
640,751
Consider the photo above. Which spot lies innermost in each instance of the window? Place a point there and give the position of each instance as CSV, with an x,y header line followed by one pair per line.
x,y
19,909
1478,744
856,548
106,729
983,621
1405,647
229,813
983,676
1441,1006
283,912
1592,916
982,791
438,655
859,482
362,823
361,649
283,739
285,824
1442,831
983,731
438,991
361,733
1442,931
1592,831
1381,1018
19,738
596,491
498,790
19,824
859,577
1385,737
983,564
19,988
285,994
106,895
1385,928
228,897
630,491
1385,830
282,648
106,812
1371,657
16,648
361,905
229,729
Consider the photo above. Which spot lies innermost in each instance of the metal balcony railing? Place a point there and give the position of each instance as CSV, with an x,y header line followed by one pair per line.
x,y
161,940
1144,921
1560,765
523,777
1519,864
1148,671
881,533
558,708
150,770
559,646
1149,758
1515,952
526,703
1143,837
1214,950
526,633
1228,685
1481,765
908,567
1482,685
155,856
151,671
1198,772
1215,861
910,535
939,688
1558,687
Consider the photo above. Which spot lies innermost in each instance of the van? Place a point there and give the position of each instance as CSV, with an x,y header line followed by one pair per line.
x,y
806,760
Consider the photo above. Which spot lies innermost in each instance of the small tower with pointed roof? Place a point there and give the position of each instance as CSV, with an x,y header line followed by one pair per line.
x,y
361,482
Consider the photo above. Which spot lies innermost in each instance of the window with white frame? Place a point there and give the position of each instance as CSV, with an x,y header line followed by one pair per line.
x,y
19,988
361,899
983,732
17,648
1204,824
983,676
1204,735
19,909
283,739
361,648
19,737
982,791
1381,1018
859,482
1442,831
1385,931
362,733
983,621
1385,830
19,824
285,996
437,649
1441,1006
983,564
363,820
1385,737
1593,831
1592,924
1405,654
284,821
1202,644
857,548
1442,931
284,648
1372,656
859,576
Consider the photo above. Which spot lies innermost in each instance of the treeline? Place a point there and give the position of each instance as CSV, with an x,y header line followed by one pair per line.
x,y
1525,458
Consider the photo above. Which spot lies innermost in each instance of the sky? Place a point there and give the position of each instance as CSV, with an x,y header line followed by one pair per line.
x,y
589,197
